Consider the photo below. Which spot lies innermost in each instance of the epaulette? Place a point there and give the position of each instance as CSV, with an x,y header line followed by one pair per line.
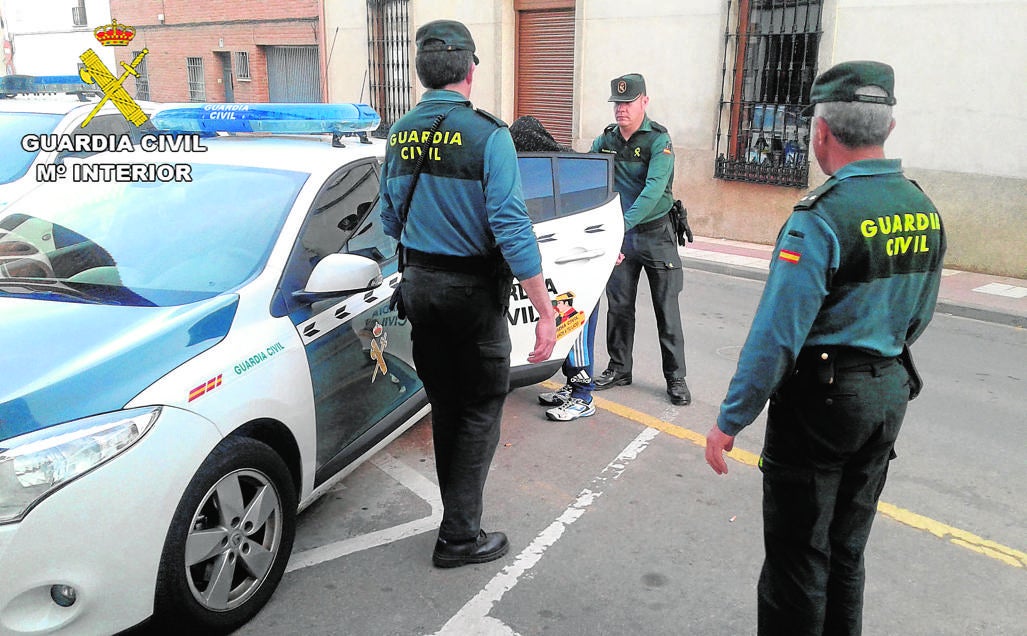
x,y
610,128
660,128
813,196
492,118
915,183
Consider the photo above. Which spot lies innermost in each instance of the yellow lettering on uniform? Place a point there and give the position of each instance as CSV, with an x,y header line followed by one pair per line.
x,y
405,153
458,139
935,221
922,243
903,243
437,138
392,139
896,223
884,223
868,228
910,222
922,222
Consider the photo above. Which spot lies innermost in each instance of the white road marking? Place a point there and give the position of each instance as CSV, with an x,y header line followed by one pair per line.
x,y
1000,289
473,618
409,479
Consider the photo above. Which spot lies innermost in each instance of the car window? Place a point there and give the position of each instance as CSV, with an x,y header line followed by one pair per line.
x,y
343,219
147,243
14,126
561,184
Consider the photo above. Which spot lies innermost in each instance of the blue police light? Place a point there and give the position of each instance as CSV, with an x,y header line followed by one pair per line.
x,y
338,119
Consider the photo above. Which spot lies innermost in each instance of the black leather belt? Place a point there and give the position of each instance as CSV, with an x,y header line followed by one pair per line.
x,y
823,362
649,225
482,265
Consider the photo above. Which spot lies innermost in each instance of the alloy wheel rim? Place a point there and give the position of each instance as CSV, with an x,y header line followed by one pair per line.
x,y
233,540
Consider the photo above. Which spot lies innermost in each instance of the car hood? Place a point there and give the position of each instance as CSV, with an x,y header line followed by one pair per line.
x,y
62,360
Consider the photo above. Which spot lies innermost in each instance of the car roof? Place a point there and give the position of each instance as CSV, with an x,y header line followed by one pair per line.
x,y
313,154
58,104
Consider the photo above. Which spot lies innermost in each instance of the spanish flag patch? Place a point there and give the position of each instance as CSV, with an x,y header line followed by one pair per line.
x,y
790,256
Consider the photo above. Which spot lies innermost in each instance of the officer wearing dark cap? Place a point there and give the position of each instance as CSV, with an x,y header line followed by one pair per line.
x,y
644,177
451,193
853,282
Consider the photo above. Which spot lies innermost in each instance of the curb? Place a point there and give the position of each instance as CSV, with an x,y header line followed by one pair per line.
x,y
961,310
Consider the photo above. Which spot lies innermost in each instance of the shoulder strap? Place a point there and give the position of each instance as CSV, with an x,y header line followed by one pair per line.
x,y
420,165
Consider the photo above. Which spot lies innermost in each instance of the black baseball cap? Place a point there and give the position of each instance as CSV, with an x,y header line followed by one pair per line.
x,y
445,35
627,88
840,83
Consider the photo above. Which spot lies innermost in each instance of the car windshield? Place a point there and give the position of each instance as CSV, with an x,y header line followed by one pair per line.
x,y
14,126
145,243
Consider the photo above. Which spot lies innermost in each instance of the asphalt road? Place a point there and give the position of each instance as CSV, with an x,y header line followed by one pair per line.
x,y
618,526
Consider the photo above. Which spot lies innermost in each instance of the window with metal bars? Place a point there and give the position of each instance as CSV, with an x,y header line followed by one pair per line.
x,y
142,79
197,85
770,59
242,65
388,33
78,14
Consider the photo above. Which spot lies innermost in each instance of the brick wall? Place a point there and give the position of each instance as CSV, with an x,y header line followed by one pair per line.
x,y
201,29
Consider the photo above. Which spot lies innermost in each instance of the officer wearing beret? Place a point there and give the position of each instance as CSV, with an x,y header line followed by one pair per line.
x,y
643,176
853,281
465,231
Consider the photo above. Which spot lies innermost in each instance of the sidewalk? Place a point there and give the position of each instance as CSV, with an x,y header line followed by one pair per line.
x,y
979,296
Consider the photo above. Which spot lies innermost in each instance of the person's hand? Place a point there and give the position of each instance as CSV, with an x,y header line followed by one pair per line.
x,y
717,442
620,258
545,340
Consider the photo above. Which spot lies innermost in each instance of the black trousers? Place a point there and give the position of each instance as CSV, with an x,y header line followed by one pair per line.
x,y
461,348
652,247
824,463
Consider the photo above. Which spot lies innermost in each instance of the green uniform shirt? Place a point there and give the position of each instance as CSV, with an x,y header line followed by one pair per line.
x,y
857,264
643,172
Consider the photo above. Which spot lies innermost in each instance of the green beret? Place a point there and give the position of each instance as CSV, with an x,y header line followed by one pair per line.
x,y
840,83
445,35
627,88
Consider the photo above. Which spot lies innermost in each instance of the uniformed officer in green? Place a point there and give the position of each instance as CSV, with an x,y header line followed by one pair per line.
x,y
853,281
643,176
451,193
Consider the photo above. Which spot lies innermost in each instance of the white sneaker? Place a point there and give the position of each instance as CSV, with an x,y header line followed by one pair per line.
x,y
558,397
571,410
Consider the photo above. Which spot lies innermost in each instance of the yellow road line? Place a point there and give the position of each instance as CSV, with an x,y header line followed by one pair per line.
x,y
962,538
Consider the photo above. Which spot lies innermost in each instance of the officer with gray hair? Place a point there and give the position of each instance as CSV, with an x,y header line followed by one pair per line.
x,y
853,282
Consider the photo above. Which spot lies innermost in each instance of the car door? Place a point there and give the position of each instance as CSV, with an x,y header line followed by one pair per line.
x,y
579,226
358,351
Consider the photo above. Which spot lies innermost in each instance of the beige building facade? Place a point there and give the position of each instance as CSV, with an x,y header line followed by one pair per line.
x,y
714,67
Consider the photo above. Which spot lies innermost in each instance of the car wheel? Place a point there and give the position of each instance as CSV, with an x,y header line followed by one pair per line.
x,y
229,541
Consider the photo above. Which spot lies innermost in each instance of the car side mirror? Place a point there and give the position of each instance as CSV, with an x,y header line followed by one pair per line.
x,y
338,275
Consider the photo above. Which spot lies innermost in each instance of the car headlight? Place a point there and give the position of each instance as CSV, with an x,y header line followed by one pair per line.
x,y
36,464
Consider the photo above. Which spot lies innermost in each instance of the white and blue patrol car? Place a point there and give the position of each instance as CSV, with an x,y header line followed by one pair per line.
x,y
31,115
191,355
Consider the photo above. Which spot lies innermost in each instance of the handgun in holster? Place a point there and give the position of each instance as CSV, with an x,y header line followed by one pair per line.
x,y
679,215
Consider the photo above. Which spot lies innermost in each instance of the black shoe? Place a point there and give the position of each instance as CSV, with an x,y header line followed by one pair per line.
x,y
678,392
611,378
487,547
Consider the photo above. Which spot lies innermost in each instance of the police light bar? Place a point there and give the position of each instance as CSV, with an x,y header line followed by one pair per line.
x,y
267,118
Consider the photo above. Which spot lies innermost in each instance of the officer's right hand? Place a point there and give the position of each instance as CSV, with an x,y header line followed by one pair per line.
x,y
545,340
717,443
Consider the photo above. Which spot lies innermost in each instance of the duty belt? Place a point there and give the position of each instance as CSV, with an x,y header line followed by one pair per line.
x,y
649,225
482,265
824,362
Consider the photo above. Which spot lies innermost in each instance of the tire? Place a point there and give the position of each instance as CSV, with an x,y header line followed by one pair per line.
x,y
229,541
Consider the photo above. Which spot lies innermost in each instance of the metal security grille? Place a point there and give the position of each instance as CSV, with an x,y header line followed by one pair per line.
x,y
772,54
388,44
143,79
545,69
197,86
293,74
